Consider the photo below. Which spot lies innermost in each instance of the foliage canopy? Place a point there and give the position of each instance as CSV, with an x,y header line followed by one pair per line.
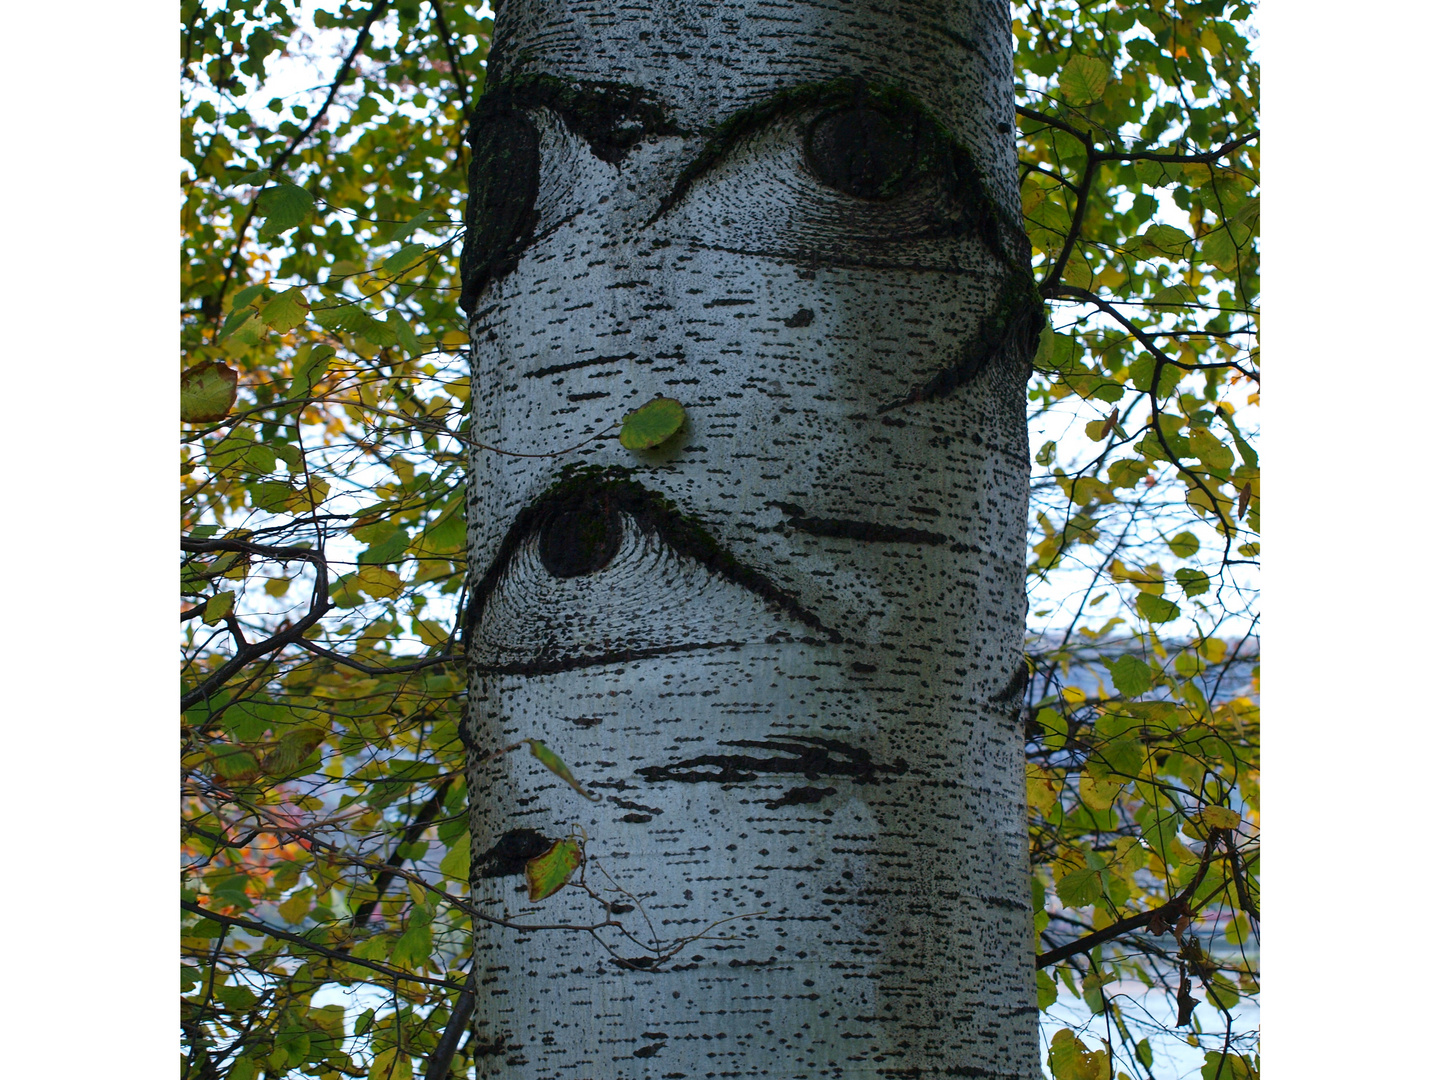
x,y
324,428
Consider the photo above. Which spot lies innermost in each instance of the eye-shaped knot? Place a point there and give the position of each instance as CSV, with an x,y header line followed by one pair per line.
x,y
862,151
580,538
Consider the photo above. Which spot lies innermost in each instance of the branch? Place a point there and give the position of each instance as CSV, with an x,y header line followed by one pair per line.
x,y
1169,912
1052,280
324,950
1154,393
439,1066
371,669
290,148
412,833
247,652
1207,158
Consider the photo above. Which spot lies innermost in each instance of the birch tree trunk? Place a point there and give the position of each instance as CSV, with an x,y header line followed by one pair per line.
x,y
780,652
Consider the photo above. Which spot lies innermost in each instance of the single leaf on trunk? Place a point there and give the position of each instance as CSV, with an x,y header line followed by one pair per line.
x,y
546,874
651,424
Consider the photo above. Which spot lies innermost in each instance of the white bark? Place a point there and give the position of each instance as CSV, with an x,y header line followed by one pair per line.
x,y
780,649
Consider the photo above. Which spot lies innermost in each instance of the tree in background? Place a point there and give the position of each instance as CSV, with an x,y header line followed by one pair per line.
x,y
326,400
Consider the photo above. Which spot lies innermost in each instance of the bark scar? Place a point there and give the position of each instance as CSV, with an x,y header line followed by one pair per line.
x,y
809,756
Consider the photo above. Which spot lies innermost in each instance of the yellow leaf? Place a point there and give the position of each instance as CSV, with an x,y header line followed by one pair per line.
x,y
1219,817
218,606
1098,795
379,582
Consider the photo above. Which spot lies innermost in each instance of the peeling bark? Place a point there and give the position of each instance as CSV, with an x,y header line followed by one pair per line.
x,y
782,647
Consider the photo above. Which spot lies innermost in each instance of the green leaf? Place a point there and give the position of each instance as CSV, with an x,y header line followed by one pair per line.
x,y
404,334
310,367
283,206
413,947
340,316
1131,675
1046,454
286,311
1156,609
456,863
245,296
551,761
405,228
652,424
235,763
1083,79
389,550
218,606
404,257
1045,989
292,750
1194,582
1080,888
207,392
1143,1053
546,874
1167,240
1184,545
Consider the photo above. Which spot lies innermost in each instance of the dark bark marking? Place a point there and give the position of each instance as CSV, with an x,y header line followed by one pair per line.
x,y
842,529
800,796
505,163
555,369
649,1051
1017,683
511,852
626,805
809,756
549,665
504,182
596,491
1013,322
803,317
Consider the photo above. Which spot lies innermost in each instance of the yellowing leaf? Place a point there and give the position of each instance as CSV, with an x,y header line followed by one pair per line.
x,y
1083,79
551,761
379,582
218,606
1041,789
391,1064
652,424
546,874
286,311
207,392
1219,817
1099,795
297,906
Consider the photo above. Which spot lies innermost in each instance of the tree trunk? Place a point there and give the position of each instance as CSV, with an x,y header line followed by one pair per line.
x,y
783,649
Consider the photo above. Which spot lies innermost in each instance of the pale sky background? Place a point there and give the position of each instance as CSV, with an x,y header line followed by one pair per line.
x,y
90,283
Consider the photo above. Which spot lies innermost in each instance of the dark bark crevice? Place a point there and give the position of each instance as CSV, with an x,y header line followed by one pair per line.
x,y
844,529
806,755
